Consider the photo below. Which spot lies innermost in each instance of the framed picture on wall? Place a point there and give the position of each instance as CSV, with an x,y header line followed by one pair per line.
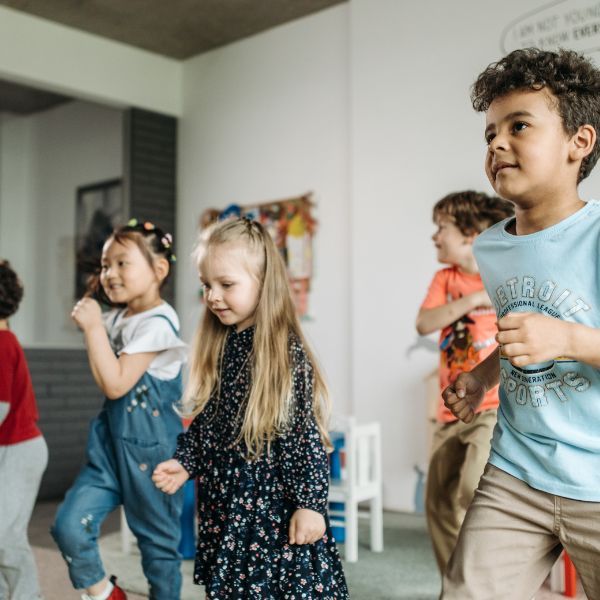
x,y
99,208
292,227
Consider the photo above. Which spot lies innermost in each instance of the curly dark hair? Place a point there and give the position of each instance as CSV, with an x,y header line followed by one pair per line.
x,y
572,78
11,290
472,212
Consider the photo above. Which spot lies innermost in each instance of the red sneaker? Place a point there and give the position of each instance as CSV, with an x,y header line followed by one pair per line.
x,y
117,593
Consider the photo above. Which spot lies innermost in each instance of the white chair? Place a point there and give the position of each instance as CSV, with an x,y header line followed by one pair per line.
x,y
557,576
563,577
127,537
361,482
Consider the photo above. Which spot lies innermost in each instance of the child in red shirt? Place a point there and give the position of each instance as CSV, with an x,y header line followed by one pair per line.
x,y
23,451
458,306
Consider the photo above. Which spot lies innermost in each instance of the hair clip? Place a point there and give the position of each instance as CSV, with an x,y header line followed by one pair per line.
x,y
173,258
132,223
249,220
149,226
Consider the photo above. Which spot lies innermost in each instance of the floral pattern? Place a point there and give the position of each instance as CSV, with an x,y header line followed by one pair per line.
x,y
244,507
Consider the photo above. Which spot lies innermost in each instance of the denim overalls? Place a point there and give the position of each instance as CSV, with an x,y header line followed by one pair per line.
x,y
126,441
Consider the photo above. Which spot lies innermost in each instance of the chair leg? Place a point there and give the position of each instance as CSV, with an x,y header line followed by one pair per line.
x,y
557,576
351,515
376,519
557,583
570,578
126,534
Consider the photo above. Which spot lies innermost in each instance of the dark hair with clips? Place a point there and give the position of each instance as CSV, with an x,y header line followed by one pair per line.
x,y
153,243
11,290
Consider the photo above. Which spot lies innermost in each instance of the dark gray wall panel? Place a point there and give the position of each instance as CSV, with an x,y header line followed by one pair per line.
x,y
151,172
67,399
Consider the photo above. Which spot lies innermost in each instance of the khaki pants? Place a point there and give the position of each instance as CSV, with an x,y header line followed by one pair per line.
x,y
511,537
459,454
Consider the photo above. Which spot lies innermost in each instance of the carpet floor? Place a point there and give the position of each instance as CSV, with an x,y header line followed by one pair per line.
x,y
406,569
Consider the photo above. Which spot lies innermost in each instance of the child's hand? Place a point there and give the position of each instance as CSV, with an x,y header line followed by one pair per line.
x,y
169,476
529,338
306,527
86,313
464,396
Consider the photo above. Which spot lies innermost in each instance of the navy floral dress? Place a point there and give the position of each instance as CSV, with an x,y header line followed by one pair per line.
x,y
244,507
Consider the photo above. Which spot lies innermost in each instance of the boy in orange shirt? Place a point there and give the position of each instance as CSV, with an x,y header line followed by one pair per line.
x,y
458,306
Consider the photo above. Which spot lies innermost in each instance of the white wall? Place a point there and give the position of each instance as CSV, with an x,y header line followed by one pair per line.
x,y
415,138
366,104
44,158
267,118
17,214
45,54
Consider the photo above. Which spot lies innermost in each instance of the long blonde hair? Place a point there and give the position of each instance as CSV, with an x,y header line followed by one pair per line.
x,y
268,408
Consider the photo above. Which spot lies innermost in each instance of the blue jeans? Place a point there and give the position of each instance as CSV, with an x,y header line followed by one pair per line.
x,y
119,471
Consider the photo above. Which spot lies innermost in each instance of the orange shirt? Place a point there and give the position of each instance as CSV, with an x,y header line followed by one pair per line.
x,y
467,341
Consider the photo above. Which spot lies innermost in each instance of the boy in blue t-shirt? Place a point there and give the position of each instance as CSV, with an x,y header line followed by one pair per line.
x,y
540,491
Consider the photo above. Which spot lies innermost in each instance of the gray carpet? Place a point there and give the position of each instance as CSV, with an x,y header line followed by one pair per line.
x,y
128,568
406,568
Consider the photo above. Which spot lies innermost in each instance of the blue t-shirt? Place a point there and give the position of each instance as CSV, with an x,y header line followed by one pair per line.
x,y
548,429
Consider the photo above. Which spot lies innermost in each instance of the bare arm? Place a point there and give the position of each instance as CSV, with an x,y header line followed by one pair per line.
x,y
488,370
529,338
583,344
434,319
114,376
466,393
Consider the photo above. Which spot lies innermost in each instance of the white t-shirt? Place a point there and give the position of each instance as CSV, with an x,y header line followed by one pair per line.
x,y
149,331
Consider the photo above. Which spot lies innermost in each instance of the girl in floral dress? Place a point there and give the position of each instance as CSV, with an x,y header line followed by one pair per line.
x,y
257,443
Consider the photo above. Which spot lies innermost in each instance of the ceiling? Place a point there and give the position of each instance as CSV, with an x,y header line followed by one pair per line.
x,y
175,28
24,100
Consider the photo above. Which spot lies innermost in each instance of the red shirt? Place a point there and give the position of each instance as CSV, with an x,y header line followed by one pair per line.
x,y
16,389
466,342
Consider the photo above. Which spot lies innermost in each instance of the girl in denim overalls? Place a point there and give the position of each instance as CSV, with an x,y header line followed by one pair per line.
x,y
135,355
257,445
